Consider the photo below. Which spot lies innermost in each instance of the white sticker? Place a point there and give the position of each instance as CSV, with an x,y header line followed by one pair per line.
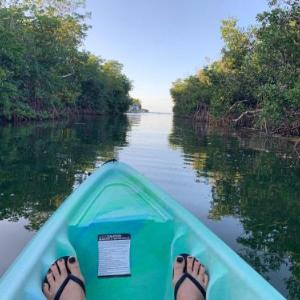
x,y
113,255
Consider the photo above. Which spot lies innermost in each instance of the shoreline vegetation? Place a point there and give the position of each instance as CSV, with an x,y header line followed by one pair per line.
x,y
45,74
256,82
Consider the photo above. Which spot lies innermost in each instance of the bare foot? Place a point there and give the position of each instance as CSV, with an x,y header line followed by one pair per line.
x,y
56,277
187,289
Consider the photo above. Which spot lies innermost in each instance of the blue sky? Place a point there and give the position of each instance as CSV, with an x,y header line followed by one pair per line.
x,y
159,41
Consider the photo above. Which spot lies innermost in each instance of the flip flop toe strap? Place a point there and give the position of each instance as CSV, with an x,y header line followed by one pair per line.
x,y
195,282
64,284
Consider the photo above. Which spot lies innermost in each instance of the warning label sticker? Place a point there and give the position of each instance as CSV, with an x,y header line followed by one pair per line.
x,y
114,255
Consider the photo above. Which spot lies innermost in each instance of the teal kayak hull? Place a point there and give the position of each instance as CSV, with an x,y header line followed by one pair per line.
x,y
117,199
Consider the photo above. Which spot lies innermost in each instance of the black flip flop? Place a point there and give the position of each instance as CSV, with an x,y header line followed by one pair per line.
x,y
186,275
68,278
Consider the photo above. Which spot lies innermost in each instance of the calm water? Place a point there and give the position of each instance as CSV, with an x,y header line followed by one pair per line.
x,y
244,187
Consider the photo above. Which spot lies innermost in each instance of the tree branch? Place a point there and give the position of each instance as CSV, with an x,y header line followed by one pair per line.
x,y
248,112
235,104
67,75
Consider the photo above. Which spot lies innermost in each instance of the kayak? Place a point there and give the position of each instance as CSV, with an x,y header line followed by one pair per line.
x,y
119,215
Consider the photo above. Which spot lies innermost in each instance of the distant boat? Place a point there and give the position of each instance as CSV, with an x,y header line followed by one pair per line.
x,y
117,200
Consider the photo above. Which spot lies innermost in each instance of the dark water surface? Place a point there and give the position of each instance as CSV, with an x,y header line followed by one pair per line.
x,y
244,187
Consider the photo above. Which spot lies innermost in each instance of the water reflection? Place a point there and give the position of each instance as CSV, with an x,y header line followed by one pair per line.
x,y
40,164
242,186
259,186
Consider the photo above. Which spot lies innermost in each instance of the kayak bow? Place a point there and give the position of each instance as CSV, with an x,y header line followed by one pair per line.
x,y
116,199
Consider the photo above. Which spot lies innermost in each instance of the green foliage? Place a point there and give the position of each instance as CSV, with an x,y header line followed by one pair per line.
x,y
136,101
117,87
43,72
103,86
256,82
189,93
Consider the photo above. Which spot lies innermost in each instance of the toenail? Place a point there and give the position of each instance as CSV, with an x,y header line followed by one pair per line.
x,y
72,259
179,259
